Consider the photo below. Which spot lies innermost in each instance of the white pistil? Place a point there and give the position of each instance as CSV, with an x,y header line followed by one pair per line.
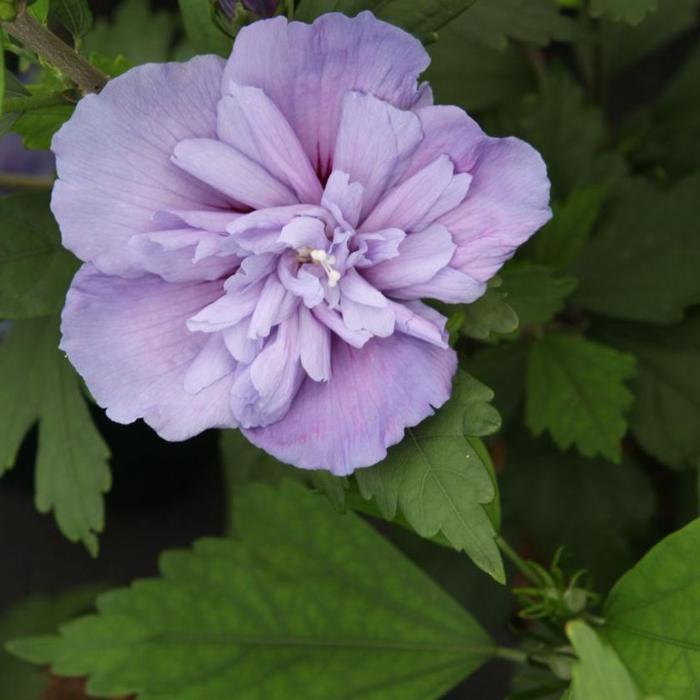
x,y
320,257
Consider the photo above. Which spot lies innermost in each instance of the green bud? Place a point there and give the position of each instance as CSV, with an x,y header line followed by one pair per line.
x,y
576,599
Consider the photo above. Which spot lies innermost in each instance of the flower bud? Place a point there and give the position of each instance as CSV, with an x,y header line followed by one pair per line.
x,y
227,10
262,8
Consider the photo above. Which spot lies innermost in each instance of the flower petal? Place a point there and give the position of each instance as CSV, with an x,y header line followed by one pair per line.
x,y
307,69
343,198
172,255
374,394
420,321
449,285
213,363
421,256
314,346
129,341
274,305
232,173
250,122
410,203
447,131
263,392
113,158
374,140
508,201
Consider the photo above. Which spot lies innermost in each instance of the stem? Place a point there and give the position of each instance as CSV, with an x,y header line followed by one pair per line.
x,y
17,181
518,561
514,655
24,103
38,38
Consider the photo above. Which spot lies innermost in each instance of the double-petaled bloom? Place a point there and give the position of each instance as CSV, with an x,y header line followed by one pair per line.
x,y
259,234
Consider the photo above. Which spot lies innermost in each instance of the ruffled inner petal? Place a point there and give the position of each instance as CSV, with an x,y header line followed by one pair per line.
x,y
232,173
250,122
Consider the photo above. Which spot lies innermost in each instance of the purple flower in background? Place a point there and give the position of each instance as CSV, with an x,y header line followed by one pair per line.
x,y
18,160
259,233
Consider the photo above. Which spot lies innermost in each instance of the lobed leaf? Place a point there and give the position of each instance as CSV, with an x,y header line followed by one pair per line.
x,y
576,391
630,11
643,263
535,292
666,412
441,478
35,269
494,22
72,462
561,240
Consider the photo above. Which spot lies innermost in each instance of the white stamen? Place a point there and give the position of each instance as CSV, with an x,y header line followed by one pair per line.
x,y
333,278
326,261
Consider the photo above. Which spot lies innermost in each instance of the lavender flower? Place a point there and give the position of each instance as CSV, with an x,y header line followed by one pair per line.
x,y
259,233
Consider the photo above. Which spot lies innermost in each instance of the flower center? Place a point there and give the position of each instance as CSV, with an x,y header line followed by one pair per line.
x,y
320,257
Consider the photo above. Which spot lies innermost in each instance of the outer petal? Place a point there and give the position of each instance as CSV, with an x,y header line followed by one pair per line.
x,y
129,341
307,69
508,201
113,158
350,421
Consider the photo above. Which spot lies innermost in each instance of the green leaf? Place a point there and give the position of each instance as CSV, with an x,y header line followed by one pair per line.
x,y
535,292
333,487
225,621
112,67
675,137
563,238
40,9
37,126
473,77
598,673
72,472
666,413
36,615
621,45
74,15
119,38
576,390
202,33
653,617
630,11
494,22
578,503
643,263
35,269
502,367
441,478
489,315
569,132
420,17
